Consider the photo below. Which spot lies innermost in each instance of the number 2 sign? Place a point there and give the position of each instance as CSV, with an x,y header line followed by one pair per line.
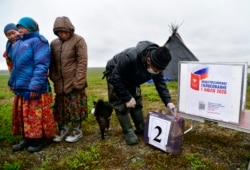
x,y
158,132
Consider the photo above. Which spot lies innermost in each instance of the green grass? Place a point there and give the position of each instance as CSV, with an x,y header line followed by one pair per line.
x,y
6,98
5,93
5,124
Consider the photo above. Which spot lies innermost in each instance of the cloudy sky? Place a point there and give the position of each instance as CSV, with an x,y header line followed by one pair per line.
x,y
214,30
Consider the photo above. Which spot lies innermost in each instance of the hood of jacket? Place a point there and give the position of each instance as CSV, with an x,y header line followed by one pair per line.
x,y
145,45
144,49
63,24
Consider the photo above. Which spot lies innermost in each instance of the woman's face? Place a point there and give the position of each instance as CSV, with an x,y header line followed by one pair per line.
x,y
64,35
22,30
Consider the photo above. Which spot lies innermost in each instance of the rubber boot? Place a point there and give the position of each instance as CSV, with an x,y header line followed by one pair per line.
x,y
37,145
24,144
127,129
138,119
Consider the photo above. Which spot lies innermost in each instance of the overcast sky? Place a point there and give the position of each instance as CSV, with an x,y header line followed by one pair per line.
x,y
214,30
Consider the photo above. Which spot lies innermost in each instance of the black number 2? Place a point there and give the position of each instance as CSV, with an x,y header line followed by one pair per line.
x,y
159,133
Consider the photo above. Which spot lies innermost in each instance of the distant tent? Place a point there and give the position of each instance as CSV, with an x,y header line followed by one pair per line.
x,y
179,52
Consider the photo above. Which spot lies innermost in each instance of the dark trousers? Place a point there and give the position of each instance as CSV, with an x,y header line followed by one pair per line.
x,y
121,109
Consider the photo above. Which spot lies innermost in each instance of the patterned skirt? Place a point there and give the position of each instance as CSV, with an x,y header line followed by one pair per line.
x,y
71,107
34,118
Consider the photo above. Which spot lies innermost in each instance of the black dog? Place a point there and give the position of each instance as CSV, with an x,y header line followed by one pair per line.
x,y
102,112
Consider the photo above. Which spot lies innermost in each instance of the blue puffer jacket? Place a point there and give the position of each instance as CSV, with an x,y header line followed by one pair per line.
x,y
30,57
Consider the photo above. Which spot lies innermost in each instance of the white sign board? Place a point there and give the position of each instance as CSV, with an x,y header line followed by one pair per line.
x,y
212,90
158,132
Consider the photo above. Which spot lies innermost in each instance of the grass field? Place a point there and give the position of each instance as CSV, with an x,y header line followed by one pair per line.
x,y
206,147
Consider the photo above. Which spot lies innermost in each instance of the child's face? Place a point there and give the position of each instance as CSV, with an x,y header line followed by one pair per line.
x,y
12,35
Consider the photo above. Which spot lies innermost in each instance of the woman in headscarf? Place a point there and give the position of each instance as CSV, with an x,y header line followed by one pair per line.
x,y
68,71
32,113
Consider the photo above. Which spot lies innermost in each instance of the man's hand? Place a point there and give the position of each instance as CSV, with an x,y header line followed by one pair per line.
x,y
172,109
171,106
131,103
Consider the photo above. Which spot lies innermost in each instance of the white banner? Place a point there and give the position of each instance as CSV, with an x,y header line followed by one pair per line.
x,y
212,90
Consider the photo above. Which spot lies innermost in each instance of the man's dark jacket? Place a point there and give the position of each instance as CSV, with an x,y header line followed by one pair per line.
x,y
127,70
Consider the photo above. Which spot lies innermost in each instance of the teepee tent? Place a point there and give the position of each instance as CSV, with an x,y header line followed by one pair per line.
x,y
179,52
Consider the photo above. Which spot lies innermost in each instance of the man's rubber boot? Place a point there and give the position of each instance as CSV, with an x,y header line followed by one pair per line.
x,y
127,129
138,119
